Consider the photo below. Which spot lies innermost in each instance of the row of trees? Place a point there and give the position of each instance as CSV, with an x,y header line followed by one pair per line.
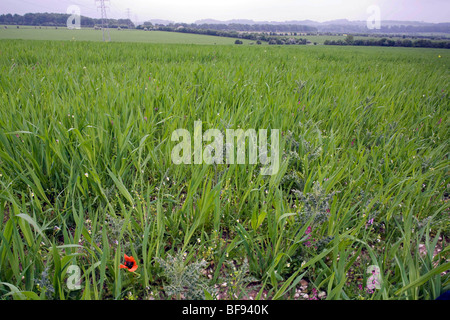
x,y
259,37
384,42
395,36
246,27
59,20
289,41
219,33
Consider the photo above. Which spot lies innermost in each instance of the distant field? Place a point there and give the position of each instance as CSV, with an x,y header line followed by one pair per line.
x,y
50,33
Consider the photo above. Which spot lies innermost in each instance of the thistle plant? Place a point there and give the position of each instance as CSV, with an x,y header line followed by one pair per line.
x,y
184,280
316,204
44,284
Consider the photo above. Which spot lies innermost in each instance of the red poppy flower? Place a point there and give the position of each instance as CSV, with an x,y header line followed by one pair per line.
x,y
130,264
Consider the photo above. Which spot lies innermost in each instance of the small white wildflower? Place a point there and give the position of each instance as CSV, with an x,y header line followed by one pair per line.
x,y
86,175
198,240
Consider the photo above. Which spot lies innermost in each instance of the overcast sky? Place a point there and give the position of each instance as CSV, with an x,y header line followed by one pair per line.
x,y
261,10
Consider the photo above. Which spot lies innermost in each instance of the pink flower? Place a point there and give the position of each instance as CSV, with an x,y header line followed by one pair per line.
x,y
314,294
369,223
308,231
145,118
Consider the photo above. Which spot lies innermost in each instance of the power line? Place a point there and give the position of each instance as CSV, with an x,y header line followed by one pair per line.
x,y
117,11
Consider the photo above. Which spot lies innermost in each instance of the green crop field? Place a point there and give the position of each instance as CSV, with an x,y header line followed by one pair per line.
x,y
357,210
89,34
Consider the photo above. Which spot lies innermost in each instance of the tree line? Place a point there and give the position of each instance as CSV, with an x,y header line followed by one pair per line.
x,y
218,33
59,20
270,37
245,27
384,42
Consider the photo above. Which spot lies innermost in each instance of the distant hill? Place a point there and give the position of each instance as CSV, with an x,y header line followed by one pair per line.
x,y
344,25
316,23
160,21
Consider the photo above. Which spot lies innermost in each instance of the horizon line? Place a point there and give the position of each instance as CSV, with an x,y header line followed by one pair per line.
x,y
218,20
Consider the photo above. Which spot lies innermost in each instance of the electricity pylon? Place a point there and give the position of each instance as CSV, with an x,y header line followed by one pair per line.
x,y
105,28
129,17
